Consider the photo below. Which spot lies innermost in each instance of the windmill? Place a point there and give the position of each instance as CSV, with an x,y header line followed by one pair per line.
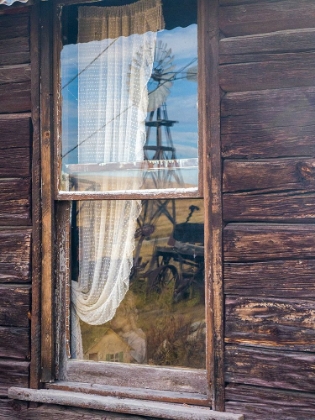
x,y
159,147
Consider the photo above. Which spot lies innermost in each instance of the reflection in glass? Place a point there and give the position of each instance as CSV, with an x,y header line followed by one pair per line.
x,y
161,320
129,101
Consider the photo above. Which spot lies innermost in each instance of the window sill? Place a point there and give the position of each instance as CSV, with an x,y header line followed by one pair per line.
x,y
163,410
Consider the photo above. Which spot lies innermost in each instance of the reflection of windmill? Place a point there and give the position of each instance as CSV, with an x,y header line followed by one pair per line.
x,y
160,148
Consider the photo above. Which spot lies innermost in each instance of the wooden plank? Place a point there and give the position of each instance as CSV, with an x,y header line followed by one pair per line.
x,y
15,74
266,47
292,206
35,371
270,322
15,304
15,97
15,201
267,176
136,393
265,16
270,368
47,240
293,279
259,242
269,123
12,373
14,51
15,255
15,343
265,404
14,409
15,131
280,71
121,405
209,102
138,376
14,26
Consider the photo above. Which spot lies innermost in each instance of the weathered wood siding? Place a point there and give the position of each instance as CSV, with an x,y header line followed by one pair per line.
x,y
267,54
15,202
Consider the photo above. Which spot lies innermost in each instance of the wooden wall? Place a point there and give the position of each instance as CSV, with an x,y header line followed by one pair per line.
x,y
15,201
267,58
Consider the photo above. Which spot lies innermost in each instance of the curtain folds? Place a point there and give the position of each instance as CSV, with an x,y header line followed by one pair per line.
x,y
115,59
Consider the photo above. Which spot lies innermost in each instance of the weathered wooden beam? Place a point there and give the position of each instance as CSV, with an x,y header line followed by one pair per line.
x,y
15,343
15,74
15,97
14,51
244,17
121,405
270,322
266,47
133,392
293,279
291,206
15,202
260,242
265,403
14,26
139,376
268,176
209,102
280,71
15,305
270,368
13,373
271,123
15,255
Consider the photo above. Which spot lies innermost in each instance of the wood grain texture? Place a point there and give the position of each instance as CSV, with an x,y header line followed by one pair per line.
x,y
266,47
15,343
19,410
15,74
274,72
14,26
14,51
15,97
292,206
267,322
209,102
292,279
121,405
15,202
15,255
271,123
260,242
266,404
264,16
139,376
268,176
270,368
15,305
13,373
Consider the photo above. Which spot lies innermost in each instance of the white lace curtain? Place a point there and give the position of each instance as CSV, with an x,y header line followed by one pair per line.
x,y
115,59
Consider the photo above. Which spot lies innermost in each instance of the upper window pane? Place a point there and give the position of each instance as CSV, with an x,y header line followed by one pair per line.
x,y
129,96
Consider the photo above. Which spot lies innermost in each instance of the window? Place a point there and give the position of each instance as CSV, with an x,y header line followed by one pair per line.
x,y
130,177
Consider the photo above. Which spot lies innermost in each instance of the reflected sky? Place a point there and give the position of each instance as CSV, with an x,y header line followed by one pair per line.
x,y
181,102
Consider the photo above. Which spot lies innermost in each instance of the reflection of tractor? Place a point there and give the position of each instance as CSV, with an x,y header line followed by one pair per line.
x,y
179,265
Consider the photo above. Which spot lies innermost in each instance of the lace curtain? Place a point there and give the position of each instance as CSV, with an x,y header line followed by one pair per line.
x,y
115,59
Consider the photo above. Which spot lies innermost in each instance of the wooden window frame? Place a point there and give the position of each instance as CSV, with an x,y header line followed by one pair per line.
x,y
55,220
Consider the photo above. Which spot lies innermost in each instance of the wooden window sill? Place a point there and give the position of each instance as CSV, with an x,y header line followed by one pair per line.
x,y
131,406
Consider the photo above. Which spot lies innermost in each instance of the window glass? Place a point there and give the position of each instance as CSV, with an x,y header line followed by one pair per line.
x,y
129,97
161,320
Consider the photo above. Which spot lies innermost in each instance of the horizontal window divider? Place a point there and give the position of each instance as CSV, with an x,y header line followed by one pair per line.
x,y
132,392
120,405
129,195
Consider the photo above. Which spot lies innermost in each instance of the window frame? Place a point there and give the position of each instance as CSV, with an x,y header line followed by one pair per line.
x,y
55,215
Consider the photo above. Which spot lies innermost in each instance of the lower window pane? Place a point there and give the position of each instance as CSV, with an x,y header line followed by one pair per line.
x,y
147,258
